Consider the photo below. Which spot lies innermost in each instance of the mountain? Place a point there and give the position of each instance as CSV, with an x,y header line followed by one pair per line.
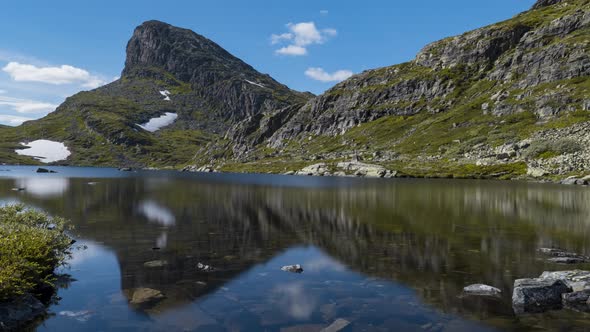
x,y
508,100
168,71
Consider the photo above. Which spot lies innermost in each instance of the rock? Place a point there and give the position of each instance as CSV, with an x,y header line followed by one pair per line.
x,y
292,268
567,260
574,181
126,169
538,295
577,300
204,268
314,170
155,264
536,172
482,290
145,296
577,279
289,173
18,189
45,170
15,314
336,326
365,170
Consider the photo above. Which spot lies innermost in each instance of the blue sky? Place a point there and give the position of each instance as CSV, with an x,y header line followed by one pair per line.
x,y
50,50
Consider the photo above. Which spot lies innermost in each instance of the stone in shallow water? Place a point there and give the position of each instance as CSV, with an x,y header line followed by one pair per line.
x,y
292,268
538,295
577,300
336,326
577,279
146,295
154,264
482,290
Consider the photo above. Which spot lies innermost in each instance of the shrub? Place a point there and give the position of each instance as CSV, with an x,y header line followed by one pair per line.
x,y
32,245
549,149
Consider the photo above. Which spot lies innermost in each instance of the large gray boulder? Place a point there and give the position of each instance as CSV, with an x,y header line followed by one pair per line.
x,y
538,295
576,279
14,314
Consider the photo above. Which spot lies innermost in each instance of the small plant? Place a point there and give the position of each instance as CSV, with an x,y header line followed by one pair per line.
x,y
32,245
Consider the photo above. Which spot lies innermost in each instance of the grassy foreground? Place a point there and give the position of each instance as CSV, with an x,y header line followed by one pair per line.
x,y
32,245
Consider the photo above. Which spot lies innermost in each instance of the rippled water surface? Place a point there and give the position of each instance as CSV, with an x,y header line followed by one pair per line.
x,y
380,255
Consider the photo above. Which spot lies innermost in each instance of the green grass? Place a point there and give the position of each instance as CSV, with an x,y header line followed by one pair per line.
x,y
32,245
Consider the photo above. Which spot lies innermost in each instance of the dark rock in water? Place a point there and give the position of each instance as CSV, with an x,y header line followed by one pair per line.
x,y
292,268
568,260
155,264
538,295
561,256
481,290
15,314
577,300
18,189
577,279
44,170
126,169
143,296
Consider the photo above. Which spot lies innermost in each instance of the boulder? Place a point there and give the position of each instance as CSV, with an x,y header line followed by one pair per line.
x,y
538,295
14,314
336,326
44,170
536,172
577,300
145,296
482,290
204,268
577,279
314,170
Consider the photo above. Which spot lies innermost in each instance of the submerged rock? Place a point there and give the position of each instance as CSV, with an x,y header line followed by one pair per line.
x,y
538,295
292,268
336,326
16,313
561,256
145,296
482,290
156,263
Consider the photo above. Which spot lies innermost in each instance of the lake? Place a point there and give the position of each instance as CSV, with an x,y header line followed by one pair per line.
x,y
169,251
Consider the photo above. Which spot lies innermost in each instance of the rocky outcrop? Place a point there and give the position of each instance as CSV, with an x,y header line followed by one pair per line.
x,y
15,314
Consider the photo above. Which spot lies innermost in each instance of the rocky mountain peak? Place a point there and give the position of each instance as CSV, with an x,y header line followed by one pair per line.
x,y
545,3
180,52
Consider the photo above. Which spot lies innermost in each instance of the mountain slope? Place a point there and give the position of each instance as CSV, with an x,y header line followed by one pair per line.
x,y
168,70
495,101
506,100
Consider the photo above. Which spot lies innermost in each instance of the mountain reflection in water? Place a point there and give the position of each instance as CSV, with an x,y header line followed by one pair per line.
x,y
382,255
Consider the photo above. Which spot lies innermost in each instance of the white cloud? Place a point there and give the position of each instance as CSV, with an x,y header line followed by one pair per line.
x,y
300,36
13,120
2,92
64,74
292,50
275,39
319,74
27,106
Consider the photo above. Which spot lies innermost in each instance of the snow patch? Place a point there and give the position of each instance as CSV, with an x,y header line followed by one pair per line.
x,y
166,94
257,84
160,122
45,151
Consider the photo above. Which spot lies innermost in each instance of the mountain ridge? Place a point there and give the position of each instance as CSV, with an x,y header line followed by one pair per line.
x,y
508,100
